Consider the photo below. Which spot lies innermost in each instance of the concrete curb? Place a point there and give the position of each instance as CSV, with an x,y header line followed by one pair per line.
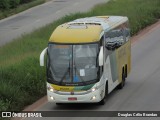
x,y
33,107
37,104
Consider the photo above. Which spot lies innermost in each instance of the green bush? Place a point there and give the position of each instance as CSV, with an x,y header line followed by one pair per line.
x,y
4,4
25,1
14,3
9,4
4,105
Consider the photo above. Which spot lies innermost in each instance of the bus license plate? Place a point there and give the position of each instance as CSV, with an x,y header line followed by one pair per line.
x,y
72,98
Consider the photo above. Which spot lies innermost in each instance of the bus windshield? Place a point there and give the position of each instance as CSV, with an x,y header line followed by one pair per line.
x,y
72,64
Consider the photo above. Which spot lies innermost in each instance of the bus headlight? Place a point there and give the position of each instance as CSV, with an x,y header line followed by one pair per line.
x,y
93,89
52,98
50,88
93,98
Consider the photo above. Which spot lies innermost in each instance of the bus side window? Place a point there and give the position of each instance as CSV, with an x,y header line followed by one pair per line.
x,y
114,39
126,31
109,44
127,34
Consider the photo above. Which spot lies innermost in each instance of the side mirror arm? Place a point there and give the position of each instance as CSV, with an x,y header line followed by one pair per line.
x,y
41,59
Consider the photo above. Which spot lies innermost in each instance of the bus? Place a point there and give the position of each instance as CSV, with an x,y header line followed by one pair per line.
x,y
87,59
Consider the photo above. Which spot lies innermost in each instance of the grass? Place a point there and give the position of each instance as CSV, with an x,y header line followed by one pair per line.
x,y
22,80
20,8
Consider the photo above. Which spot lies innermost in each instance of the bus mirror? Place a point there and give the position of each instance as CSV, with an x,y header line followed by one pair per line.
x,y
42,56
101,56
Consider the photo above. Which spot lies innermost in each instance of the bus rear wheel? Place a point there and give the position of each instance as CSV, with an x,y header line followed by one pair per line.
x,y
126,71
121,85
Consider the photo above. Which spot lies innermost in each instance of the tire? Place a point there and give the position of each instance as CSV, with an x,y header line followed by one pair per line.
x,y
126,71
58,103
103,101
121,85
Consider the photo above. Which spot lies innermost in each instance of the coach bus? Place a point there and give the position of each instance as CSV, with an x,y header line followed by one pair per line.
x,y
87,59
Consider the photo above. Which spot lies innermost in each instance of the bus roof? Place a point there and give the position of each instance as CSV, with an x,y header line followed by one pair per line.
x,y
85,30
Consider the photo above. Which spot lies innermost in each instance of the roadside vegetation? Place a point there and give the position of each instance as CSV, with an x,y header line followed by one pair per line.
x,y
11,7
22,80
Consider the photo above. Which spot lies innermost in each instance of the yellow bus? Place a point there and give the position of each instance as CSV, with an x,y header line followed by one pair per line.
x,y
87,58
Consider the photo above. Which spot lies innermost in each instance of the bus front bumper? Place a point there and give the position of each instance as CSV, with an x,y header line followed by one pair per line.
x,y
91,97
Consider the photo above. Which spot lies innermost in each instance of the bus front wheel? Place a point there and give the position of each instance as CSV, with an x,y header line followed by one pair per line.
x,y
102,102
59,103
